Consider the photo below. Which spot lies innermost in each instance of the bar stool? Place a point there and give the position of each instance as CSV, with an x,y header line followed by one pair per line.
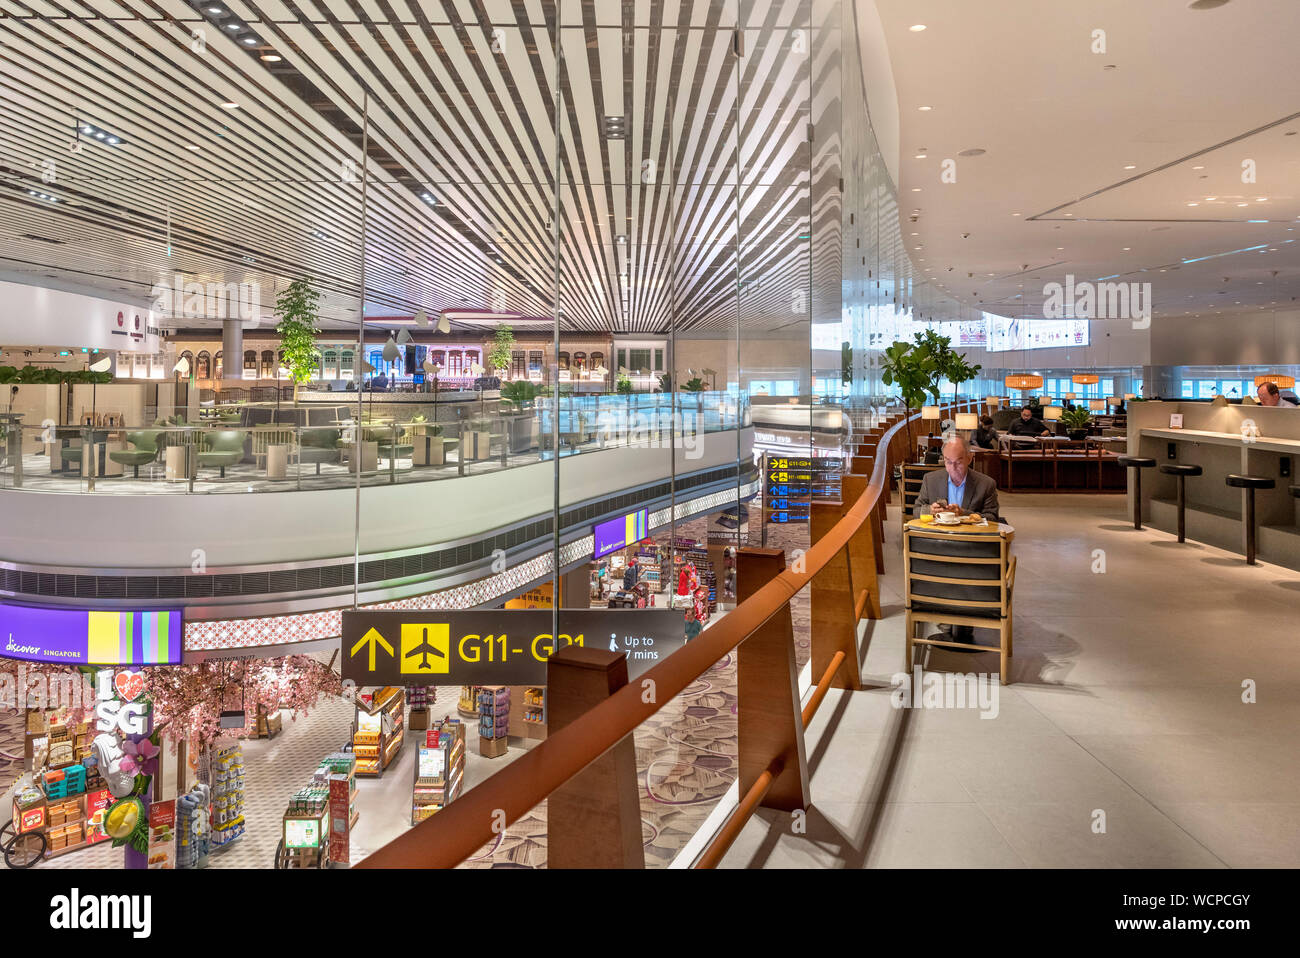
x,y
1182,472
1137,464
1250,484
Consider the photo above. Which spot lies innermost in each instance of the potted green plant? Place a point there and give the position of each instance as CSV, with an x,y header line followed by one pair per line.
x,y
299,323
624,384
1075,422
499,353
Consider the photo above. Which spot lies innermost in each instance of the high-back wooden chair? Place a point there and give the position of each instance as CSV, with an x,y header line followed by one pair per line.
x,y
956,578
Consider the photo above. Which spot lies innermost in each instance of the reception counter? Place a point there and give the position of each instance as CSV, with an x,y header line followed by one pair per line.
x,y
1252,440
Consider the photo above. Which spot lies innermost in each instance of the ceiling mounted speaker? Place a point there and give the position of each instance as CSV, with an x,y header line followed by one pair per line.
x,y
421,318
444,325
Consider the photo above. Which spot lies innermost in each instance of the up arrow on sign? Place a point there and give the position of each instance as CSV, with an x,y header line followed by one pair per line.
x,y
372,639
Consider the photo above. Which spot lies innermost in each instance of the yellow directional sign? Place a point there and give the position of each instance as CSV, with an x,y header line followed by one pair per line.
x,y
373,639
426,648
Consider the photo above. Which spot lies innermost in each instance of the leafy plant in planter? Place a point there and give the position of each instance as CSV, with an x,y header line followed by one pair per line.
x,y
1076,422
913,368
694,385
666,382
520,391
299,323
624,384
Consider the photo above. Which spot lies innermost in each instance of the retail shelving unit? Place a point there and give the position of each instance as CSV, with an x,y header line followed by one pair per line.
x,y
439,770
379,729
493,719
227,796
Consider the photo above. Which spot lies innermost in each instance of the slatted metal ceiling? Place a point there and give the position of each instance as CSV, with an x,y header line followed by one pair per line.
x,y
460,108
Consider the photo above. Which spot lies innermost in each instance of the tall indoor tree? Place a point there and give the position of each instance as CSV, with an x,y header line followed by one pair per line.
x,y
299,314
502,348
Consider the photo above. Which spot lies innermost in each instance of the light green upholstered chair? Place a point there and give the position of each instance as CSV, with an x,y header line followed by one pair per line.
x,y
224,447
144,451
319,445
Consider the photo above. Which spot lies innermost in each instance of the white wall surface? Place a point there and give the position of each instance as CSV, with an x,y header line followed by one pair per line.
x,y
57,318
161,531
1257,337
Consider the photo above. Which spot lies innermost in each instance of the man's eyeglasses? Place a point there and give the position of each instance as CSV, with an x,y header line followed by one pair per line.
x,y
953,462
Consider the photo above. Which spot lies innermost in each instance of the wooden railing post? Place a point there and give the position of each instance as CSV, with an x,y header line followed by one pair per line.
x,y
594,819
862,553
834,618
767,714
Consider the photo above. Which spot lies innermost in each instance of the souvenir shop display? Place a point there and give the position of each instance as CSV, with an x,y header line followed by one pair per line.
x,y
695,571
467,704
193,828
535,706
340,770
378,731
493,719
417,696
439,769
59,806
651,562
227,795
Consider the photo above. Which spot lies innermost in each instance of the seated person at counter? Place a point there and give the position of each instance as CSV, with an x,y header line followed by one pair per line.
x,y
1270,395
1027,425
957,489
986,437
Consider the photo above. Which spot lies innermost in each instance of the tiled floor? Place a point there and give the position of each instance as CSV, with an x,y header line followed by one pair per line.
x,y
1122,742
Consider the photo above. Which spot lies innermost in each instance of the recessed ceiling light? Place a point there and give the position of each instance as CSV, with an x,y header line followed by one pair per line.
x,y
1059,248
1198,167
1015,214
1193,204
215,10
1069,214
1243,204
194,146
1261,199
1210,199
271,57
1131,166
921,156
916,189
925,109
233,26
1127,248
917,27
230,105
250,40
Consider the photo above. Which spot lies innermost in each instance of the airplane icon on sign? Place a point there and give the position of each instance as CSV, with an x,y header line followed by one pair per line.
x,y
419,642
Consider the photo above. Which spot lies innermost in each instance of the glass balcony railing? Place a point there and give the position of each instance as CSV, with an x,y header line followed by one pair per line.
x,y
222,453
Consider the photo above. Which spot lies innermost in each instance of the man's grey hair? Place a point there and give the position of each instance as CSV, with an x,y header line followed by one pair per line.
x,y
956,439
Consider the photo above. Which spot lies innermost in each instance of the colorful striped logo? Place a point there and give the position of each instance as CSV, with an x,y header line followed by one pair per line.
x,y
132,638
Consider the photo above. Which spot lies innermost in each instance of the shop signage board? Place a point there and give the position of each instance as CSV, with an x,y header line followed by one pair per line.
x,y
495,647
615,534
90,636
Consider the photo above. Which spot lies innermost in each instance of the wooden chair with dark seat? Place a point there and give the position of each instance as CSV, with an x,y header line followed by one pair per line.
x,y
960,579
1182,471
1250,484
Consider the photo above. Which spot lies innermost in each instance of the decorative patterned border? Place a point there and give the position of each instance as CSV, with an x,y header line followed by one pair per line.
x,y
309,626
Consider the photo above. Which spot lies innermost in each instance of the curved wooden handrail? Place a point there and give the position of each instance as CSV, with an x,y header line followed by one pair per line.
x,y
467,824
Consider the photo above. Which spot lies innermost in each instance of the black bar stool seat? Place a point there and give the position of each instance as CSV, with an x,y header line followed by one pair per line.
x,y
1137,464
1182,472
1250,484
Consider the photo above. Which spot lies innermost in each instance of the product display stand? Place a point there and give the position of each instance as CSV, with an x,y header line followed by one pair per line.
x,y
467,705
493,720
417,696
379,729
439,769
193,828
342,775
227,796
534,712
